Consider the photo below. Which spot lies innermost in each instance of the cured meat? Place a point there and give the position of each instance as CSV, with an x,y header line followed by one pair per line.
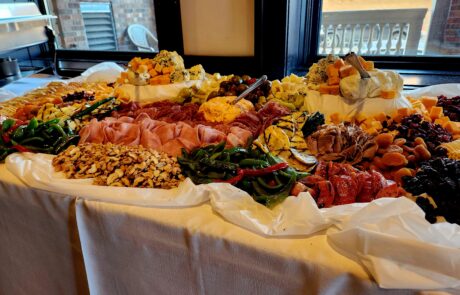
x,y
346,188
172,112
344,142
167,137
338,184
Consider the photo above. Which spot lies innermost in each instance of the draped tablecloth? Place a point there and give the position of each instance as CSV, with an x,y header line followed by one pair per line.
x,y
56,244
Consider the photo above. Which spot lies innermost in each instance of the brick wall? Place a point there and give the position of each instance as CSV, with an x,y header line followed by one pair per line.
x,y
70,27
451,44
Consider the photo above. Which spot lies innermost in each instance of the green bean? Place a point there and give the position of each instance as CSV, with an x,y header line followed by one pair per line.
x,y
91,108
59,129
265,185
30,139
253,162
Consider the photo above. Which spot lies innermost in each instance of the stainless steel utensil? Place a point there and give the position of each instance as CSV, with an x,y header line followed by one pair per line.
x,y
250,89
353,60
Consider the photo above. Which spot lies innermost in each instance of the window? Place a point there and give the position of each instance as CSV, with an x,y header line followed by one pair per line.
x,y
123,25
390,27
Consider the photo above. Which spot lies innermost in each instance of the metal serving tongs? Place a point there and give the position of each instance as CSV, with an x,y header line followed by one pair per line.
x,y
251,88
353,60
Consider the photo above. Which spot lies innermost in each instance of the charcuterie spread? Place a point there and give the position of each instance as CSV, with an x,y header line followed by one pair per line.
x,y
341,158
342,134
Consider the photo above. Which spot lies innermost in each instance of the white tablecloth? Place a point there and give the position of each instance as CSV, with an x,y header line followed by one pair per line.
x,y
54,244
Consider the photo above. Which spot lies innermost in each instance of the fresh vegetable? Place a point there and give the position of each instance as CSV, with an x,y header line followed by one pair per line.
x,y
93,107
265,177
34,136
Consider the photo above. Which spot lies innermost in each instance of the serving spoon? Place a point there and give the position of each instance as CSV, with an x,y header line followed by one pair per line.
x,y
251,88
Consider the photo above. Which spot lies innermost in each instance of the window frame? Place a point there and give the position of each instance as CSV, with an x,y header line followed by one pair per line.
x,y
269,57
424,70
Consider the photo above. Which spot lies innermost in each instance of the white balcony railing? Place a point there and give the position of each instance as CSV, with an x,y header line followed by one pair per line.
x,y
372,32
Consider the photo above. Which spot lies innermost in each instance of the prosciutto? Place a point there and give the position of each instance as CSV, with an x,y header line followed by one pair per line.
x,y
171,112
159,135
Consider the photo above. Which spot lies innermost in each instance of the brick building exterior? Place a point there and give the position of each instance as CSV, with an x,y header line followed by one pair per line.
x,y
452,29
71,30
444,36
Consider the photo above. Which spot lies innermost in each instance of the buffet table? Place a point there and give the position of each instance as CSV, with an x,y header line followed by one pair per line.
x,y
55,244
69,236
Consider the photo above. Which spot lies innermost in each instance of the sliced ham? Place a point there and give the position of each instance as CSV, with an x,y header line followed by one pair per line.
x,y
159,135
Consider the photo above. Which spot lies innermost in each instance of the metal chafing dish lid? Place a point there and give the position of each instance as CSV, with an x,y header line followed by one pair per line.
x,y
22,25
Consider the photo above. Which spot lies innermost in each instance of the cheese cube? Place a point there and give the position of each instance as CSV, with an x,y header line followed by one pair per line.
x,y
388,94
429,101
335,118
359,118
339,63
329,89
369,65
347,70
333,80
380,117
332,71
377,125
404,112
436,112
451,127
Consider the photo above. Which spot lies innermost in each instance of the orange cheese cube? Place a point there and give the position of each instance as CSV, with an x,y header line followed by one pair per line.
x,y
339,63
439,122
369,65
333,80
360,118
372,131
380,117
158,68
335,118
329,89
404,112
347,70
168,70
332,71
377,125
164,79
451,127
153,73
436,112
429,101
388,94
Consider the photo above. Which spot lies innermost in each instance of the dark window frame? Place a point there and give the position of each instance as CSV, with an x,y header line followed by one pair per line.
x,y
419,70
269,57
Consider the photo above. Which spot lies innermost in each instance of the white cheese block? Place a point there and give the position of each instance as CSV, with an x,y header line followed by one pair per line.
x,y
329,104
152,93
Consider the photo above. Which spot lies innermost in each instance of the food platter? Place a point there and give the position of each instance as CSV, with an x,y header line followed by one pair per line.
x,y
299,156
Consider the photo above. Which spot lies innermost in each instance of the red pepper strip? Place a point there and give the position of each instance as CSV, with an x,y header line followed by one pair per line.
x,y
234,179
21,148
6,138
266,170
